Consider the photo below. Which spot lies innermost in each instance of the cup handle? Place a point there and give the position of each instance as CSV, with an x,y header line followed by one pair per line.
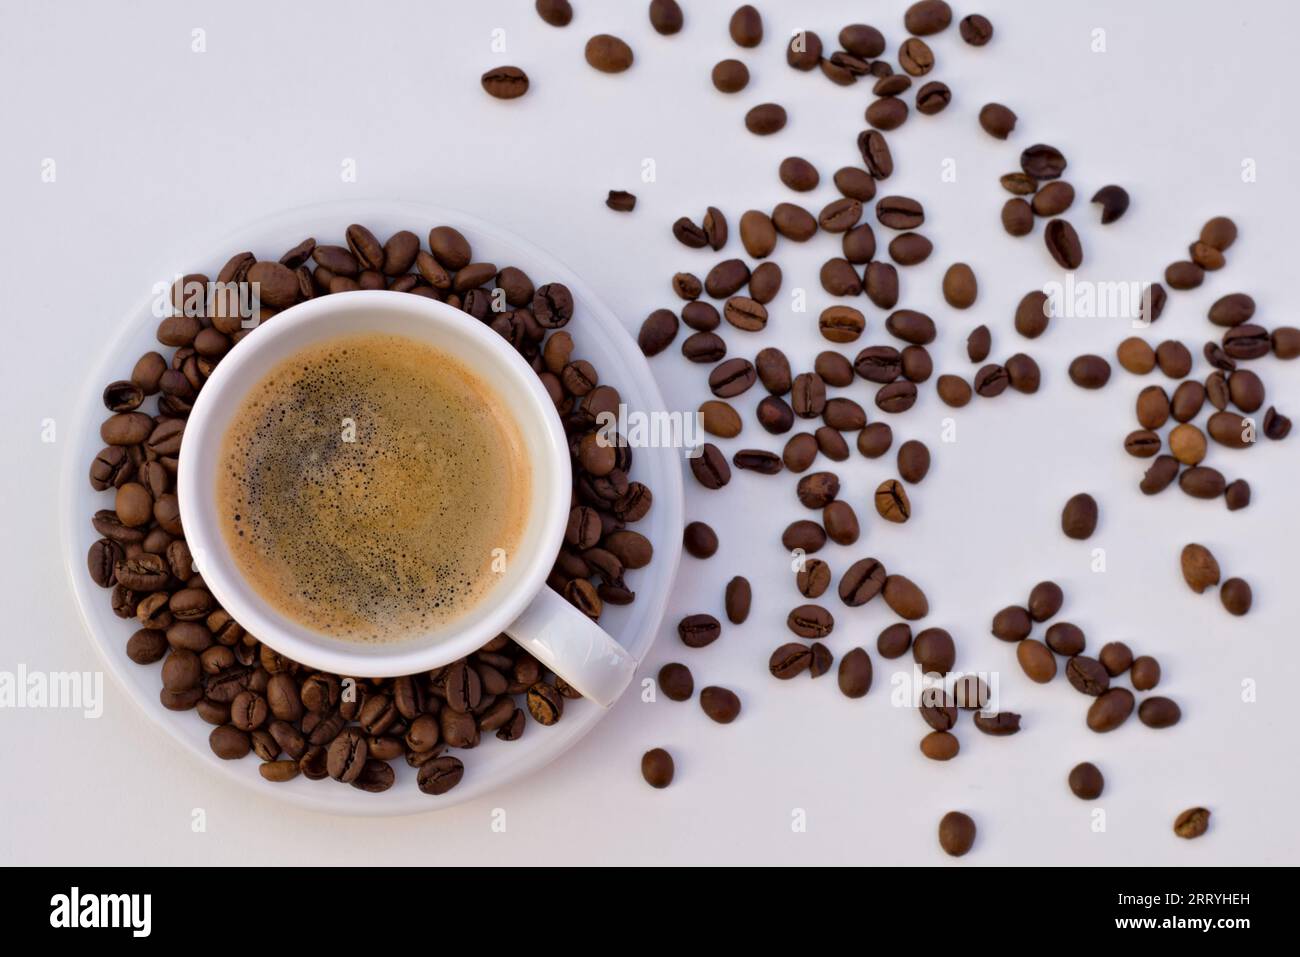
x,y
574,647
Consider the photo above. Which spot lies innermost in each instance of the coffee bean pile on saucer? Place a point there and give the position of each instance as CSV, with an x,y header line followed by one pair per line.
x,y
321,725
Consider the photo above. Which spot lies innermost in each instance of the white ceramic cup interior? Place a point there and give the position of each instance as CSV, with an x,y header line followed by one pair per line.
x,y
557,634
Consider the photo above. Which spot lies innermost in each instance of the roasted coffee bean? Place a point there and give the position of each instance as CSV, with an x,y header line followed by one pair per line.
x,y
757,233
775,415
913,461
1237,495
841,523
915,57
773,370
976,30
621,201
1188,399
834,369
1286,342
1033,314
956,830
940,746
1184,274
1187,444
504,83
1236,596
1110,710
699,540
818,489
917,364
689,234
894,641
1087,675
1045,600
891,501
1017,217
840,215
899,212
1036,660
839,278
1063,243
1079,517
876,156
745,314
726,278
1065,639
1192,823
766,119
808,395
705,347
1136,356
1276,425
960,289
1113,201
729,76
657,764
927,16
1146,673
676,682
1232,310
905,598
911,326
1053,199
1173,359
765,282
710,467
757,460
720,419
933,98
746,26
657,331
1142,443
841,323
1086,781
440,774
910,249
804,52
732,377
844,414
666,18
953,390
1153,407
608,54
1202,482
991,380
737,599
1089,371
790,661
545,704
1160,475
798,174
861,582
998,121
896,397
558,13
799,453
881,284
855,183
1219,233
880,364
720,704
1246,390
1018,184
1246,341
1159,712
934,651
1012,624
697,631
813,578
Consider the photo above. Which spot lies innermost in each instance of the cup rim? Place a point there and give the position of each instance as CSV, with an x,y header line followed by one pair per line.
x,y
399,658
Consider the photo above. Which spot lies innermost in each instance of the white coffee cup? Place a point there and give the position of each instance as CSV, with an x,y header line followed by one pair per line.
x,y
520,604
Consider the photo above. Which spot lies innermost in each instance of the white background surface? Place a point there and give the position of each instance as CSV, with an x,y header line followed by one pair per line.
x,y
156,144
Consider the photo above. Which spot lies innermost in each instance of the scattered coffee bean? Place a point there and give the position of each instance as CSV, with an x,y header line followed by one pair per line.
x,y
1063,243
1012,624
608,54
1086,781
1110,710
720,704
657,768
1045,600
799,174
1113,201
699,540
621,201
1089,371
1236,596
1017,217
746,27
505,82
737,599
1087,675
698,631
960,288
1079,517
940,746
676,682
790,660
666,18
765,119
976,30
956,830
558,13
1192,823
1116,658
998,121
1037,660
1159,712
1065,638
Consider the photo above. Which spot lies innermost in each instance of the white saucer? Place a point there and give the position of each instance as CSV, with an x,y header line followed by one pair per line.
x,y
599,337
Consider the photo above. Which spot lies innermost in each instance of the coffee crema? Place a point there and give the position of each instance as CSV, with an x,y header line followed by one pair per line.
x,y
372,487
